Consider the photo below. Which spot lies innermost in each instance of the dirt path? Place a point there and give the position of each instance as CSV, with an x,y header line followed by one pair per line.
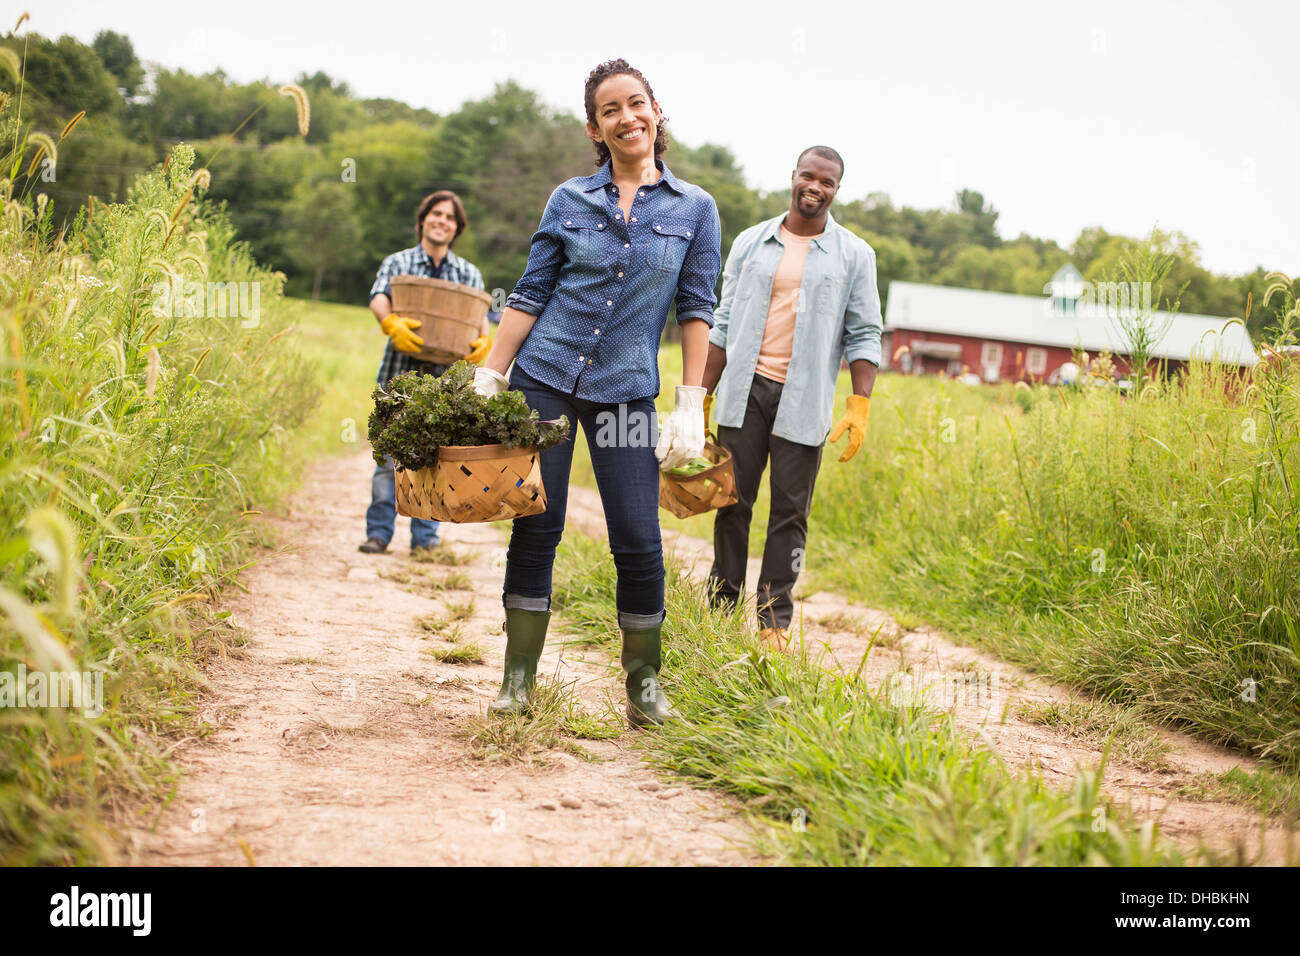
x,y
342,741
986,695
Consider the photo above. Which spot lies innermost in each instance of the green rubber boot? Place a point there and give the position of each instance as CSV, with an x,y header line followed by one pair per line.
x,y
646,703
525,635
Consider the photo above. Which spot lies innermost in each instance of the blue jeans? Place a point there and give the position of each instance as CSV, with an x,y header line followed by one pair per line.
x,y
381,516
621,440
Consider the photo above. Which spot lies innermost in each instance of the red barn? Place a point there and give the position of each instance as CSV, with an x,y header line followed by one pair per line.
x,y
998,336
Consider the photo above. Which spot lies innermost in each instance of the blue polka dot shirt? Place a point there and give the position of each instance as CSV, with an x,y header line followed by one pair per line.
x,y
601,287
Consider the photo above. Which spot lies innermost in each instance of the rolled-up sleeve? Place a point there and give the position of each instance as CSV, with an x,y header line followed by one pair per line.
x,y
862,320
730,279
387,269
545,257
698,279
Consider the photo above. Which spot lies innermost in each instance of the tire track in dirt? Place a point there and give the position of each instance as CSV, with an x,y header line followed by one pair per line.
x,y
340,741
985,693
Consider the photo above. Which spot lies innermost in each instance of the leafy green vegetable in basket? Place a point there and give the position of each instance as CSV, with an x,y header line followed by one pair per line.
x,y
692,467
417,414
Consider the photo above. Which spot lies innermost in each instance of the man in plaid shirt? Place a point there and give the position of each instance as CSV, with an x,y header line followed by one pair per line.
x,y
439,220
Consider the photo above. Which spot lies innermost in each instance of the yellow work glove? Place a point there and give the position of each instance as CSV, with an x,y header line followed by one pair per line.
x,y
402,331
708,410
479,349
856,410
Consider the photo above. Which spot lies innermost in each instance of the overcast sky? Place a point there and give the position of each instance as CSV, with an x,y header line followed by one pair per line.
x,y
1119,114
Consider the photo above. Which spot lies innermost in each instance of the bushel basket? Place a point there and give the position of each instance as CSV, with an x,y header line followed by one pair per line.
x,y
703,491
451,315
474,483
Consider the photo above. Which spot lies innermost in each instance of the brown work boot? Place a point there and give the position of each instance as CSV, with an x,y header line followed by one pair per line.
x,y
775,638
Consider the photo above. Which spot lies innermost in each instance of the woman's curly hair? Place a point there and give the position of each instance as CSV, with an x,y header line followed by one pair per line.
x,y
599,75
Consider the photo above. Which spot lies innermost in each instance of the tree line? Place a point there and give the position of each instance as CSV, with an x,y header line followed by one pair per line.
x,y
326,207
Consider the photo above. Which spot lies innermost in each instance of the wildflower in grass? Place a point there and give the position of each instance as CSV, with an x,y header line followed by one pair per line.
x,y
302,104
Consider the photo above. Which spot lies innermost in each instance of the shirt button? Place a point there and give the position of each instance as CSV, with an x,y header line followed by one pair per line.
x,y
601,226
641,194
598,331
568,222
688,234
620,275
659,228
581,357
625,245
609,301
588,361
634,218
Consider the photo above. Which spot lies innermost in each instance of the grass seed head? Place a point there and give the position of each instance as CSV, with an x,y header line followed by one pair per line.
x,y
71,125
9,60
302,104
44,147
151,372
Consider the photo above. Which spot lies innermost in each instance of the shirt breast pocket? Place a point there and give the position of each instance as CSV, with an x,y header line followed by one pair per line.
x,y
669,240
830,295
583,238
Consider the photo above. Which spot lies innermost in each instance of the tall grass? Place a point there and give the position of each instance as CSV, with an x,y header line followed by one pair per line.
x,y
1144,548
135,442
832,772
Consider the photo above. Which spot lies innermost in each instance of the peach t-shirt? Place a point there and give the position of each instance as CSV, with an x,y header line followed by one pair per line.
x,y
783,308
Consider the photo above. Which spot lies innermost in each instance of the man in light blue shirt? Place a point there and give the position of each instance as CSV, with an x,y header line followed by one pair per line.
x,y
799,295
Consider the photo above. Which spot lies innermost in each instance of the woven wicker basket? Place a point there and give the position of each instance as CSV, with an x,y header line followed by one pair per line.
x,y
451,315
703,491
474,483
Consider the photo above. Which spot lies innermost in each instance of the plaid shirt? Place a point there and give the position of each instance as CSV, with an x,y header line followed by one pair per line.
x,y
416,262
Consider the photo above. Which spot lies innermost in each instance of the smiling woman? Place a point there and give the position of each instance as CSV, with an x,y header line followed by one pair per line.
x,y
614,252
626,110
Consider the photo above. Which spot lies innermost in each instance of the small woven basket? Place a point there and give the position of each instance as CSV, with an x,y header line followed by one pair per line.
x,y
451,315
703,491
474,483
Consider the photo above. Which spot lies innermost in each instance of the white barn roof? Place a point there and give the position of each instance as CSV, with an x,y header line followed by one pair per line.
x,y
1031,319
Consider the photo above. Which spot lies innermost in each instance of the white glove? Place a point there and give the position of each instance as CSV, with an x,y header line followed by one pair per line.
x,y
488,383
681,434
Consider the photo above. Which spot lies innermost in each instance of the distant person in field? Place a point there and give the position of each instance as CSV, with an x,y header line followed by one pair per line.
x,y
798,295
438,221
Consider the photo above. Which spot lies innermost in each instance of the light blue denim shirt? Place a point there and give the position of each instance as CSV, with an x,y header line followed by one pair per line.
x,y
838,317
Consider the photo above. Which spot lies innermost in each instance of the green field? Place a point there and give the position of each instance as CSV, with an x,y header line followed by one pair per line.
x,y
1142,549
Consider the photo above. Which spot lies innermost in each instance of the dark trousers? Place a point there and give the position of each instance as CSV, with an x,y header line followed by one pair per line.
x,y
794,472
381,516
621,444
